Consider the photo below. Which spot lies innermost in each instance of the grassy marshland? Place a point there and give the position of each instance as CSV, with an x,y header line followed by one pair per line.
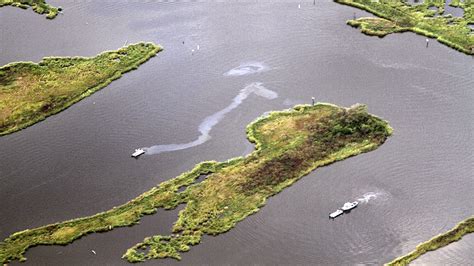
x,y
39,6
30,92
289,145
463,228
398,16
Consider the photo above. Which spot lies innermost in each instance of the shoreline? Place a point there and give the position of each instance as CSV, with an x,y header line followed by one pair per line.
x,y
455,234
285,151
39,6
412,28
38,114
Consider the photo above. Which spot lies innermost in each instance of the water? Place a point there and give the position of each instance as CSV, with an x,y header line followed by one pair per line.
x,y
209,122
454,11
247,69
448,10
418,184
457,253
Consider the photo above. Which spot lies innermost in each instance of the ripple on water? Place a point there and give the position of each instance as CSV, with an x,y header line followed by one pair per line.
x,y
359,224
457,253
247,69
425,94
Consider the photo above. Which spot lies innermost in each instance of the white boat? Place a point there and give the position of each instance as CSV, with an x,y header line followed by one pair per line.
x,y
138,152
335,214
349,205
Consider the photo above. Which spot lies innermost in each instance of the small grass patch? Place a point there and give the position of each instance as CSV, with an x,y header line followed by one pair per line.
x,y
399,16
289,145
463,228
30,92
39,6
376,26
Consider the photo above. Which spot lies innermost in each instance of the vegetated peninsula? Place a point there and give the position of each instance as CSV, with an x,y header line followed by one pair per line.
x,y
30,92
426,18
463,228
289,145
39,6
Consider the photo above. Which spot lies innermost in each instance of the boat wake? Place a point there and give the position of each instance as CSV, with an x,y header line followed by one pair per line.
x,y
209,122
247,69
369,196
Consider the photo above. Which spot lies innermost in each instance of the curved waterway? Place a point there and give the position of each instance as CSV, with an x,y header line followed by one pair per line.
x,y
416,185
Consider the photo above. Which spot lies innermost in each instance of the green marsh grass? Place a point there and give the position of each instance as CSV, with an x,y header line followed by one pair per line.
x,y
289,145
398,16
30,92
463,228
39,6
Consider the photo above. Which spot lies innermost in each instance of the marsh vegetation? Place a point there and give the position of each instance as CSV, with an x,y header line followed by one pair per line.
x,y
463,228
39,6
289,145
427,18
30,92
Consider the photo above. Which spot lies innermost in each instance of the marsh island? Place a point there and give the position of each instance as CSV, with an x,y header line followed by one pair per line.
x,y
30,92
427,18
289,145
39,6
